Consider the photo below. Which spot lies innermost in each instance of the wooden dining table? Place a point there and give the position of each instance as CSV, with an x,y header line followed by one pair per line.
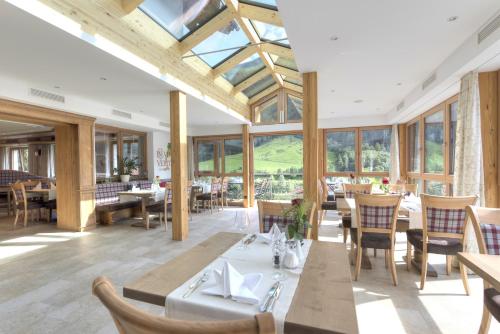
x,y
323,301
145,196
485,266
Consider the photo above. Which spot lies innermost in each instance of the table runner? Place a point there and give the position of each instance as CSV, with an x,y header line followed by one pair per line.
x,y
257,258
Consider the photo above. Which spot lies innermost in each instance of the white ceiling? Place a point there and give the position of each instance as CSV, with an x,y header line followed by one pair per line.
x,y
37,52
8,128
380,44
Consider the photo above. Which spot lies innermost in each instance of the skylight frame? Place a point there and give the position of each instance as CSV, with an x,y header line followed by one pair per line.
x,y
255,23
256,56
259,4
268,77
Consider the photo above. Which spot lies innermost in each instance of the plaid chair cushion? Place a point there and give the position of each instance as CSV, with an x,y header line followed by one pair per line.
x,y
376,216
350,194
445,220
281,221
491,235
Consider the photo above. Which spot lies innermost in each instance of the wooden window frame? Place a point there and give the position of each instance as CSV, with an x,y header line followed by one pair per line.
x,y
358,172
282,96
445,178
221,141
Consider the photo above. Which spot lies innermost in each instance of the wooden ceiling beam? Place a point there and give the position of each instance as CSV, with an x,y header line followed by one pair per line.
x,y
264,93
130,5
294,87
288,72
277,50
260,14
234,60
250,81
218,22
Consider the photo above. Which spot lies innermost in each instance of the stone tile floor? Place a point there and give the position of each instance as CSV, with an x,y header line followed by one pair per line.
x,y
46,276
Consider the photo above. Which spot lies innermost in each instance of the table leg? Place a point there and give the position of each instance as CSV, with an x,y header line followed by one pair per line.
x,y
9,202
145,216
416,261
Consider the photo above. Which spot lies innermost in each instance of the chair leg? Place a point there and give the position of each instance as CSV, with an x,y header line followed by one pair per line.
x,y
374,252
423,274
386,258
359,255
25,213
463,273
346,232
393,267
448,264
15,219
485,321
408,256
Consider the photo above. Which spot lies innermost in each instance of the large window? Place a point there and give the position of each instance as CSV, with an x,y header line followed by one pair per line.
x,y
19,158
283,106
267,112
434,134
376,150
106,154
341,151
219,156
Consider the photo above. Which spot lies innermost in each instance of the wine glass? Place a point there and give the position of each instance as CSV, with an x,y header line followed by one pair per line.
x,y
241,224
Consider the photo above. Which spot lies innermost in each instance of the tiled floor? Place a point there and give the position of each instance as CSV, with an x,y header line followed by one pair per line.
x,y
46,275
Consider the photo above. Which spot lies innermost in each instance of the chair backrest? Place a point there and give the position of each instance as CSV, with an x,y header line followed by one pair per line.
x,y
272,212
326,188
486,222
445,216
377,213
19,192
351,189
323,194
168,193
189,189
30,184
401,188
130,319
215,186
224,184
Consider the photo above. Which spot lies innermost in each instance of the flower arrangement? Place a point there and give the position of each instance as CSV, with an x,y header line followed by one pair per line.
x,y
298,213
385,185
353,178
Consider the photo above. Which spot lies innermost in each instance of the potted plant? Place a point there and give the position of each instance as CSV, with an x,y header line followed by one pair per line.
x,y
298,213
125,168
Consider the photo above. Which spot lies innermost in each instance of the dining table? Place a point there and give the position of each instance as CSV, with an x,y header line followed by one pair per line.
x,y
316,297
145,195
484,265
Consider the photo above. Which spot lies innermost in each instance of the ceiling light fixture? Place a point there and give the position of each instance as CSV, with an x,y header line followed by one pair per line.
x,y
400,84
103,79
358,101
452,18
333,91
57,87
334,38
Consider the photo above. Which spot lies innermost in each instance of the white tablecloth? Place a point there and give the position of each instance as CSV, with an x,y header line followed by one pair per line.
x,y
414,208
257,258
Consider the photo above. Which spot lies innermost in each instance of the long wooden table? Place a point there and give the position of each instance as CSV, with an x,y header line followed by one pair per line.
x,y
323,301
484,265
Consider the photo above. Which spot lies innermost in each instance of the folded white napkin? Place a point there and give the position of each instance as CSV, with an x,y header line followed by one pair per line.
x,y
38,186
273,234
230,283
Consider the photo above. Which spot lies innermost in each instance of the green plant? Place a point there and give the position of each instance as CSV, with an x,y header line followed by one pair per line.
x,y
298,213
126,166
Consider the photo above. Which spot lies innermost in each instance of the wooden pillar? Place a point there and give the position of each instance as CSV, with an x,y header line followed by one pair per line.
x,y
75,176
489,95
178,140
402,151
246,167
321,153
310,131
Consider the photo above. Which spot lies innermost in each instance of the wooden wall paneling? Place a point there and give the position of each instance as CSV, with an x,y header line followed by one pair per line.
x,y
310,133
246,165
321,154
178,139
488,91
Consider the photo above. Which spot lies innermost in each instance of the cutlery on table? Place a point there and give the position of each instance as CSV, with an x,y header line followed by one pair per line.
x,y
267,299
250,239
195,285
275,297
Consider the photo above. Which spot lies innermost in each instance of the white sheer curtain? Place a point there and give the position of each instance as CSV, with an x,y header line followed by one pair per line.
x,y
468,178
394,172
4,158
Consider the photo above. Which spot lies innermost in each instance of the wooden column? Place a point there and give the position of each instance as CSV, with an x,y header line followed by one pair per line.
x,y
310,131
489,95
178,140
75,176
246,167
402,151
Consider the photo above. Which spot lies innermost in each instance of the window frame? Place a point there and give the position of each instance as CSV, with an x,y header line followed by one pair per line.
x,y
219,140
282,96
358,164
446,178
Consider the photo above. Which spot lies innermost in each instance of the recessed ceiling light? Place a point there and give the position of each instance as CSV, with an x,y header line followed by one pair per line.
x,y
400,84
334,38
332,91
103,79
57,87
452,18
358,101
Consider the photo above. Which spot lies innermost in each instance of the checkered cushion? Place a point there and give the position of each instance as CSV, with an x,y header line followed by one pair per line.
x,y
350,194
106,193
376,216
491,235
8,177
281,221
445,220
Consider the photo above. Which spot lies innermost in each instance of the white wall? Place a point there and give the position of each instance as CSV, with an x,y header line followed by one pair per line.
x,y
159,163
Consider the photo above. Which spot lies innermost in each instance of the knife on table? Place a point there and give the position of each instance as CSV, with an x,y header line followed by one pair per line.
x,y
268,297
275,297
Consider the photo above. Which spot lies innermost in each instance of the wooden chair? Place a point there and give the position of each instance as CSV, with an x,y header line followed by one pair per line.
x,y
444,220
376,217
403,188
349,191
486,223
211,198
163,207
326,203
272,212
130,319
224,184
21,203
189,189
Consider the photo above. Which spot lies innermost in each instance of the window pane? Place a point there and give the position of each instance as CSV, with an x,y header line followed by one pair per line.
x,y
453,134
434,136
297,82
341,151
133,148
414,147
262,3
206,157
376,150
285,62
244,70
270,32
294,107
267,112
228,37
181,17
233,156
435,188
106,154
259,86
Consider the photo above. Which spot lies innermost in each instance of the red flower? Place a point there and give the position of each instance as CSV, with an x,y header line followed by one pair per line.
x,y
385,180
352,176
296,201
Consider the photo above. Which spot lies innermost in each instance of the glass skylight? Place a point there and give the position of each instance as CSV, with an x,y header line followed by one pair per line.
x,y
262,3
228,37
297,82
244,70
259,86
182,17
285,62
270,32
